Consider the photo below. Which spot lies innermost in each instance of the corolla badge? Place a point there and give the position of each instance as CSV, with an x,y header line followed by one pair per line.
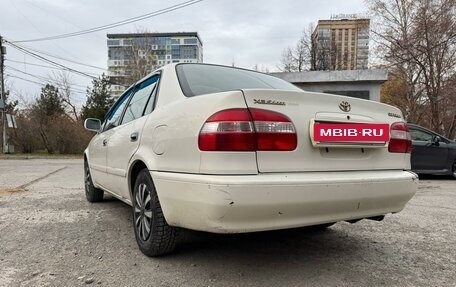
x,y
345,106
268,102
394,115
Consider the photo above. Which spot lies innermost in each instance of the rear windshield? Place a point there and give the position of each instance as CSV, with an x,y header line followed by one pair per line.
x,y
199,79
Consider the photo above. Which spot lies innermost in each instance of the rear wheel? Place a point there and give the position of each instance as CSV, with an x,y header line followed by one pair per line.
x,y
92,193
454,170
153,234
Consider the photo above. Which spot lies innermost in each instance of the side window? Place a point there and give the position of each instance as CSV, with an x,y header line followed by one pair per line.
x,y
140,99
418,135
114,115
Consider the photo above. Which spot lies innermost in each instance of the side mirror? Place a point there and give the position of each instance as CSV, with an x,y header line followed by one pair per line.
x,y
436,140
93,125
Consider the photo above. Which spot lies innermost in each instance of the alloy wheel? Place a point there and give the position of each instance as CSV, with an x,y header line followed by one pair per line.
x,y
143,212
87,178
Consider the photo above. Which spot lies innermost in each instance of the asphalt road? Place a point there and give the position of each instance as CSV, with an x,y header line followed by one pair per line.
x,y
51,236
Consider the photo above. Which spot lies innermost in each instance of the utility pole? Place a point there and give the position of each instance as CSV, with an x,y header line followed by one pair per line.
x,y
2,94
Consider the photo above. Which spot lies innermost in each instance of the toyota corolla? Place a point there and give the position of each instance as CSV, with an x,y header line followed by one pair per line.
x,y
228,150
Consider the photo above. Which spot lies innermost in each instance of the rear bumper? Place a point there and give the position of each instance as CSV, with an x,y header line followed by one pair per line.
x,y
234,204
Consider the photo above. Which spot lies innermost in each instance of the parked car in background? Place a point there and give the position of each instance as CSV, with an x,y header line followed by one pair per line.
x,y
432,153
228,150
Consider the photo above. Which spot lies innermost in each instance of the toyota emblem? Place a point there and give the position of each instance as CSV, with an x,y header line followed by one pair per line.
x,y
345,106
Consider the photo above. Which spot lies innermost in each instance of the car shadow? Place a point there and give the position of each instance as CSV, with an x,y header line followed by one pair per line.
x,y
305,241
338,253
434,177
340,242
271,246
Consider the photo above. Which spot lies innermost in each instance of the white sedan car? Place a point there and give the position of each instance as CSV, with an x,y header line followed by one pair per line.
x,y
228,150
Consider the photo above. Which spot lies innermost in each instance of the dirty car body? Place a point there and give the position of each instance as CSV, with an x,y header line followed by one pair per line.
x,y
228,150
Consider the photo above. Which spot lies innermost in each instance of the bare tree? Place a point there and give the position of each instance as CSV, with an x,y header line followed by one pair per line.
x,y
298,59
323,55
418,39
137,57
262,69
142,59
287,62
396,92
449,118
62,80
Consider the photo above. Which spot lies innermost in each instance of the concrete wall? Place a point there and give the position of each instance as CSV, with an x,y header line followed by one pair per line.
x,y
349,81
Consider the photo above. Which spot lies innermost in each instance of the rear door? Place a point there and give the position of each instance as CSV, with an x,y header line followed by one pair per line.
x,y
304,109
125,139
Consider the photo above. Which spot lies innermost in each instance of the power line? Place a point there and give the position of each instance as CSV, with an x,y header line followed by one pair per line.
x,y
36,28
20,78
81,96
33,64
39,57
115,24
41,84
60,57
48,82
55,16
42,66
51,81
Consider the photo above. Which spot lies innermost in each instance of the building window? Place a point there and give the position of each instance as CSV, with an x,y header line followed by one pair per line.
x,y
113,43
190,41
127,42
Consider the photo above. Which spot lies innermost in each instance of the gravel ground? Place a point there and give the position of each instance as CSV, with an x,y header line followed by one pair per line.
x,y
51,236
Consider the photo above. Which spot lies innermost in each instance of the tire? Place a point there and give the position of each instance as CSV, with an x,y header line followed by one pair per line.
x,y
153,234
92,193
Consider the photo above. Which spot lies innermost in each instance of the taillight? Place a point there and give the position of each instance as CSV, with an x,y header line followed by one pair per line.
x,y
247,130
228,130
274,131
400,140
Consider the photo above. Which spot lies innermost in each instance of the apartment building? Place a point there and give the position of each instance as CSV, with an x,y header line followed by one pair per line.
x,y
140,53
341,43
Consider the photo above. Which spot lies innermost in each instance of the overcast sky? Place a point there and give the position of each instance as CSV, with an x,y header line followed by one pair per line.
x,y
240,31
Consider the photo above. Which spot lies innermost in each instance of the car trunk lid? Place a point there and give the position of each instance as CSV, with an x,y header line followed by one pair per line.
x,y
308,109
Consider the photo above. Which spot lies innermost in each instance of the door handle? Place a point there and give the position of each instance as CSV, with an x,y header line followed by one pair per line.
x,y
134,137
105,142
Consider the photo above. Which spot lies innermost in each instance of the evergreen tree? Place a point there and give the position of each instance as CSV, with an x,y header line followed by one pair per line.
x,y
47,111
99,99
49,103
